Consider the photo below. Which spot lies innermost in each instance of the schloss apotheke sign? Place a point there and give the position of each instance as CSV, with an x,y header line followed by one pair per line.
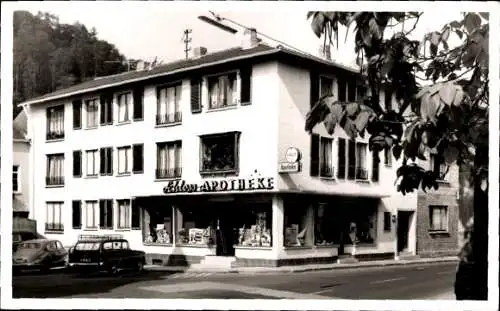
x,y
239,184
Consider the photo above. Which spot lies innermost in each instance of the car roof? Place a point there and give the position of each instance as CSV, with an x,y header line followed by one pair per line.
x,y
101,240
38,241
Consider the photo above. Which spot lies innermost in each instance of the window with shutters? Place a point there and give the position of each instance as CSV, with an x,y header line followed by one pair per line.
x,y
53,219
55,170
91,215
76,214
168,109
91,109
325,86
124,160
77,163
351,90
138,103
106,161
220,153
321,156
195,95
438,218
91,158
106,214
169,160
124,102
138,158
55,122
357,152
342,89
106,109
123,214
77,114
222,90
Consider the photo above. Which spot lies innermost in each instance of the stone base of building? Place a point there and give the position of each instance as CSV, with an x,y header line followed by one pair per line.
x,y
374,256
172,260
251,262
440,253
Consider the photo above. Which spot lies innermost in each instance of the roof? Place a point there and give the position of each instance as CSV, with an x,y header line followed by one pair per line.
x,y
19,126
175,67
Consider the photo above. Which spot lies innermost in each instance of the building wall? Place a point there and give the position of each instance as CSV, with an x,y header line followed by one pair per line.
x,y
257,148
21,157
431,244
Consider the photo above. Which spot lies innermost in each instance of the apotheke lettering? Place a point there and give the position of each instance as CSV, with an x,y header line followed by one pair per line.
x,y
177,186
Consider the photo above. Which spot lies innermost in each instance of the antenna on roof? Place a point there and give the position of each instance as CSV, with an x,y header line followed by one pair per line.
x,y
187,40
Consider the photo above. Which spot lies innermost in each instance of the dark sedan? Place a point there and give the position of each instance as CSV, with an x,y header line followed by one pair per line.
x,y
39,254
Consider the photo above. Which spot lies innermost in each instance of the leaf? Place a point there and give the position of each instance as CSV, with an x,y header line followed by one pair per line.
x,y
318,24
310,14
435,38
334,117
459,33
351,109
472,21
445,34
422,91
485,15
450,154
455,24
447,94
350,128
408,134
459,96
375,29
361,120
396,151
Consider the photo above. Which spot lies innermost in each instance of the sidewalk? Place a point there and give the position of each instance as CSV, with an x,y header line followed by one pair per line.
x,y
304,268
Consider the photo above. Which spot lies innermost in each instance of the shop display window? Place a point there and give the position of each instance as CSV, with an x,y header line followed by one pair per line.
x,y
257,223
326,227
196,227
298,224
158,226
363,226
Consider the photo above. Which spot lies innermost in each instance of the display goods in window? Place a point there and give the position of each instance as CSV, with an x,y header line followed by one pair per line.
x,y
256,235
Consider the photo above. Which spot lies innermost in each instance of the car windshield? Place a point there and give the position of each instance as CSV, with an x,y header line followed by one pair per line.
x,y
87,246
30,245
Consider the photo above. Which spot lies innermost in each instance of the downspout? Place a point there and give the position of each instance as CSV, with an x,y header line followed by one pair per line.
x,y
29,134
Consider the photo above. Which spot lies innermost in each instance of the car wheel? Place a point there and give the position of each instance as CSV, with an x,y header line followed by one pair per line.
x,y
113,270
140,266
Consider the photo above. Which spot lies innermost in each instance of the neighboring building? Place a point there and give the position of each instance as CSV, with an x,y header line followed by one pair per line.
x,y
168,155
21,168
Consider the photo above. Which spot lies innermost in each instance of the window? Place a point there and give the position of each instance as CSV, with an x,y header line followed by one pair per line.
x,y
298,230
16,188
91,214
76,214
351,90
326,159
195,95
53,217
168,163
255,224
106,214
325,225
123,214
438,216
341,158
106,161
222,91
387,157
106,109
138,103
158,225
342,89
77,163
136,215
138,158
124,102
55,170
375,166
92,108
196,228
168,105
92,158
124,160
55,122
438,166
357,161
387,221
365,220
326,87
77,114
219,153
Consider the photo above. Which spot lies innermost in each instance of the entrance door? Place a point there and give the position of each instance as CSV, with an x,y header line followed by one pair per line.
x,y
403,229
227,226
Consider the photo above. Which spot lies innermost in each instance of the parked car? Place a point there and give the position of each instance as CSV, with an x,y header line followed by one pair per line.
x,y
39,254
107,254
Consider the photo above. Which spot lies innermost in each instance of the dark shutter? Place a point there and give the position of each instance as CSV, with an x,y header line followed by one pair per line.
x,y
246,85
314,170
77,214
102,162
109,105
342,88
138,103
136,215
196,95
351,154
314,87
109,160
102,104
109,214
138,158
341,159
351,90
77,114
102,212
77,163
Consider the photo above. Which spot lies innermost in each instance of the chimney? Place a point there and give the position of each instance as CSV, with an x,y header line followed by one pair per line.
x,y
249,38
325,52
142,65
199,51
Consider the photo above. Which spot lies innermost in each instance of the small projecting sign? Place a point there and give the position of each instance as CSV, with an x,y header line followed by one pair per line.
x,y
292,163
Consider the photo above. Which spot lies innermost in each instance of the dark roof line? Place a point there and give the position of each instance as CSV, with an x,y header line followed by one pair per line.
x,y
179,66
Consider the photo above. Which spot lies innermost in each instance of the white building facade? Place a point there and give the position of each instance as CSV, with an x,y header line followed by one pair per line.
x,y
208,158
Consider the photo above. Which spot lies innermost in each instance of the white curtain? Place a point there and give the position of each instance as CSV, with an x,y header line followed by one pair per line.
x,y
162,157
91,211
92,113
124,160
171,157
178,156
170,102
56,121
91,162
361,156
214,94
234,90
178,97
56,166
162,105
123,106
123,213
57,213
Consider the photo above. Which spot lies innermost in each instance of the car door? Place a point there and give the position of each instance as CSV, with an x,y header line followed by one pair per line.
x,y
127,255
60,253
51,256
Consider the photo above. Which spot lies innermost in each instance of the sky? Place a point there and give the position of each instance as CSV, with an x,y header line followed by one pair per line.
x,y
147,30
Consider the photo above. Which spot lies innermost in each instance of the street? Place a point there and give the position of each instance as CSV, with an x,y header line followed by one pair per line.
x,y
430,281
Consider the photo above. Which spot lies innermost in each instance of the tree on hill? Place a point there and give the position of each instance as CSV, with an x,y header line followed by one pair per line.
x,y
447,114
49,55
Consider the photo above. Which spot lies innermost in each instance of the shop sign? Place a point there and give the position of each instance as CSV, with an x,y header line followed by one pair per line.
x,y
237,184
292,163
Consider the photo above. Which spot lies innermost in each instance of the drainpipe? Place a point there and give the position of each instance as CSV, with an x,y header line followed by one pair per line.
x,y
396,255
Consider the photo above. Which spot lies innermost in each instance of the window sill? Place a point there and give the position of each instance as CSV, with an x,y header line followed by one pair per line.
x,y
54,186
168,124
54,232
123,122
439,232
328,178
267,248
91,128
362,181
231,107
121,229
106,175
138,119
76,228
167,179
123,174
325,246
388,165
90,229
196,245
91,176
218,173
77,128
137,172
55,140
105,124
17,193
297,247
158,244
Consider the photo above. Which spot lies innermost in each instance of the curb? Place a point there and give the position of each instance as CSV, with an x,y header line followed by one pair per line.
x,y
264,270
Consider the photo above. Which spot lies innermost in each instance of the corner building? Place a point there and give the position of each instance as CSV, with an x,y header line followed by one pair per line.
x,y
206,161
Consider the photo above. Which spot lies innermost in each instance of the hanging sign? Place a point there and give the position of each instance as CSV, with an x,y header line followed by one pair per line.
x,y
292,163
234,184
